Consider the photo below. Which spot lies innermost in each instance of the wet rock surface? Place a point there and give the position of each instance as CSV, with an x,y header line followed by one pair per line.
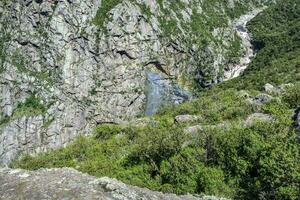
x,y
67,183
162,91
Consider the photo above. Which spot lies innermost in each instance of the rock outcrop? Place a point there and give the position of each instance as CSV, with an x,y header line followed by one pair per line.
x,y
62,73
258,117
67,183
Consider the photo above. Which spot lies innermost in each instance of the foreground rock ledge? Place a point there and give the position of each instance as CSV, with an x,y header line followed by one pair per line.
x,y
67,183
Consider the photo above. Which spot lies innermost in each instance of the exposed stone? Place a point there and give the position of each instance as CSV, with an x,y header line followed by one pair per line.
x,y
194,129
260,99
258,117
243,94
187,118
67,183
270,89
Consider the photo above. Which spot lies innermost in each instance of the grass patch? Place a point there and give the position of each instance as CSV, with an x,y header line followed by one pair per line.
x,y
31,107
102,13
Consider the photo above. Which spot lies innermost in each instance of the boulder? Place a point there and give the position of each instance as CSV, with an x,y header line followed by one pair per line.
x,y
258,117
193,129
260,99
187,118
270,88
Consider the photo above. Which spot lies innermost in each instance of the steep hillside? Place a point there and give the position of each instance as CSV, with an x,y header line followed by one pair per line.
x,y
67,66
276,34
239,139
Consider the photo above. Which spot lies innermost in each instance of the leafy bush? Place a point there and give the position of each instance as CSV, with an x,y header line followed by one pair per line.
x,y
102,12
292,96
252,157
31,106
106,131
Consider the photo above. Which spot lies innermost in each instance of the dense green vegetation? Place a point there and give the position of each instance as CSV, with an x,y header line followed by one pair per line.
x,y
249,162
228,157
102,13
276,34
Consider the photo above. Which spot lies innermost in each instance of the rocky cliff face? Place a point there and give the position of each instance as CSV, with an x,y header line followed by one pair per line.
x,y
62,72
70,184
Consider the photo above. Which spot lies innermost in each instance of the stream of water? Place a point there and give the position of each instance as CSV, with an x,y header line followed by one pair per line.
x,y
241,28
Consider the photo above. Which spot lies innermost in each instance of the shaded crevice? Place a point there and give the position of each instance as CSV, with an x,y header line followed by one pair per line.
x,y
296,119
124,53
133,101
158,66
176,47
25,43
28,3
44,13
257,45
39,1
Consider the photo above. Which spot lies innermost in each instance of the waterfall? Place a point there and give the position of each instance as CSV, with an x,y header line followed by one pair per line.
x,y
161,91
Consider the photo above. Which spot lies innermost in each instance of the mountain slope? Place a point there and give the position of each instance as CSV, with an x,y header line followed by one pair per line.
x,y
67,66
276,34
239,139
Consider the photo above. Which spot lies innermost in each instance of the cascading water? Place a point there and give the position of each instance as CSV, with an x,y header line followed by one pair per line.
x,y
161,92
241,28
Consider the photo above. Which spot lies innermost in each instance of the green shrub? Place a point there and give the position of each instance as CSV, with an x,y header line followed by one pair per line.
x,y
292,96
252,157
276,34
106,131
32,106
103,11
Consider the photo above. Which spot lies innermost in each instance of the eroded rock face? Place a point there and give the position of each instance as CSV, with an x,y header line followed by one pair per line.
x,y
68,183
84,74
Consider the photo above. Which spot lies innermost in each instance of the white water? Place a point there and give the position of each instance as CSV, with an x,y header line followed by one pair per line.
x,y
241,28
